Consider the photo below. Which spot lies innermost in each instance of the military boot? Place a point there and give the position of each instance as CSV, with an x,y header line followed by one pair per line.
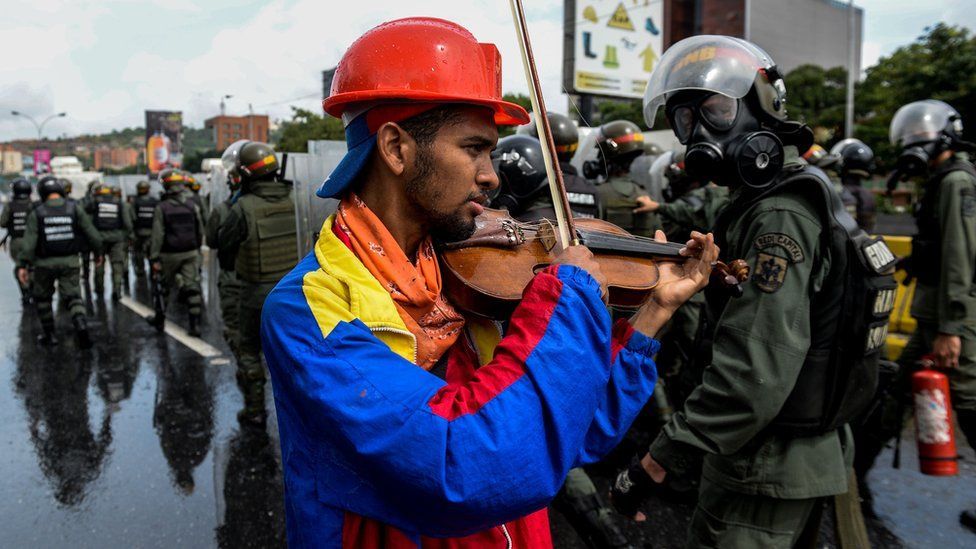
x,y
194,325
47,338
81,332
253,412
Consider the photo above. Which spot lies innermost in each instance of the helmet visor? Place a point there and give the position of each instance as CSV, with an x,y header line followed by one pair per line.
x,y
720,64
920,122
230,157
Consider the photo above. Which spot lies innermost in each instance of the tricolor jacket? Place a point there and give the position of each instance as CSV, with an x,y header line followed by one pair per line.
x,y
378,452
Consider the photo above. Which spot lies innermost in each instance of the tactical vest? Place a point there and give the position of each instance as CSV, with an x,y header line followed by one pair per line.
x,y
271,248
618,196
848,316
108,213
145,207
57,230
180,222
926,260
19,208
583,199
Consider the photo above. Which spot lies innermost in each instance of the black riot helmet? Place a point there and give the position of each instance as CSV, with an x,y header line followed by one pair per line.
x,y
21,188
49,185
922,131
250,161
620,142
565,135
521,171
856,158
725,99
142,188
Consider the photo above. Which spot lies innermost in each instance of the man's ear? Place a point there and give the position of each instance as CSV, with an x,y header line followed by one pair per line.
x,y
395,147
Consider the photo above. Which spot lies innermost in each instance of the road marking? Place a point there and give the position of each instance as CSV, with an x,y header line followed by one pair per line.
x,y
195,344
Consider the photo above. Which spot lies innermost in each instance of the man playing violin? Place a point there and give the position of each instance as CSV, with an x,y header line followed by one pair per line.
x,y
404,422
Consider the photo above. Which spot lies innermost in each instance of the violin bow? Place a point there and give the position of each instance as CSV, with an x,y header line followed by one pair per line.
x,y
560,202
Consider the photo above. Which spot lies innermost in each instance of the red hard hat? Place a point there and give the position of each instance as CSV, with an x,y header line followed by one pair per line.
x,y
421,59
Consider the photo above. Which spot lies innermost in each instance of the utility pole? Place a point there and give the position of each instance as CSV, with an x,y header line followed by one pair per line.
x,y
851,60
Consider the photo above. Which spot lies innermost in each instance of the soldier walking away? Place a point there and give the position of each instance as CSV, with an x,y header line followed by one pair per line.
x,y
228,286
767,424
14,219
141,218
261,228
174,247
52,237
943,262
114,222
193,188
581,193
855,164
624,200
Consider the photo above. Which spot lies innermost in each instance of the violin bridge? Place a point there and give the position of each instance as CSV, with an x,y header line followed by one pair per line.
x,y
547,234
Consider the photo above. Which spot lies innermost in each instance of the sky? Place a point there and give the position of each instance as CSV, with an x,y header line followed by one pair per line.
x,y
105,62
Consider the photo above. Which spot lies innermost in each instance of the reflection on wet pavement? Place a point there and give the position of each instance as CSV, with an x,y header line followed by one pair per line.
x,y
133,443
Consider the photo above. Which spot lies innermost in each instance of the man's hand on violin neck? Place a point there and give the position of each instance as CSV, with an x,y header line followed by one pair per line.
x,y
582,257
677,283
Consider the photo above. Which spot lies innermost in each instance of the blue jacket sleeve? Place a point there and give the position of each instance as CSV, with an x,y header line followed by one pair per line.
x,y
380,437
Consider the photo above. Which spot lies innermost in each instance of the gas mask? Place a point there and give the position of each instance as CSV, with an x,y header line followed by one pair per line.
x,y
914,160
726,143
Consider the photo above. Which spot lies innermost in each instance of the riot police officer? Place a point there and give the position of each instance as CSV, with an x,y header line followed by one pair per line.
x,y
228,286
193,188
141,219
534,199
929,136
14,219
114,222
261,227
624,201
771,431
855,164
174,247
51,241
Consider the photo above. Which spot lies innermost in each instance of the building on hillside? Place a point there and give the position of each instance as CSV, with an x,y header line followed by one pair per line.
x,y
115,158
228,129
11,162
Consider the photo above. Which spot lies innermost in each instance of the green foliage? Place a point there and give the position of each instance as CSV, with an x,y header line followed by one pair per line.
x,y
304,126
941,64
192,160
816,97
611,109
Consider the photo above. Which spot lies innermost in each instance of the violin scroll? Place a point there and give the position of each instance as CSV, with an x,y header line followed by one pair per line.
x,y
731,275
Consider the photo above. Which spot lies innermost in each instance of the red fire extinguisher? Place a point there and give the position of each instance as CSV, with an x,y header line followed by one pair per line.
x,y
934,431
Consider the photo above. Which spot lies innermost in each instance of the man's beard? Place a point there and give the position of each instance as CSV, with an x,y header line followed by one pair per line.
x,y
450,227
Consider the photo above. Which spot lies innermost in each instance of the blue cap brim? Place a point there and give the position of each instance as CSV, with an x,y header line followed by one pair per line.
x,y
361,144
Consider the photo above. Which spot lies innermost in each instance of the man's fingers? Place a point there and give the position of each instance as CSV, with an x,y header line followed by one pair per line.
x,y
640,517
659,236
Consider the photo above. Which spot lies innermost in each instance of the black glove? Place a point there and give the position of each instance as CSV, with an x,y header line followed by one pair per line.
x,y
631,488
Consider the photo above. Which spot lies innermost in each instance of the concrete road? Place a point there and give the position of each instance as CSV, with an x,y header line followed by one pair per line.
x,y
135,443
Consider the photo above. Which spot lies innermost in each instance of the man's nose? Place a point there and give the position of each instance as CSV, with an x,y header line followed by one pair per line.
x,y
486,177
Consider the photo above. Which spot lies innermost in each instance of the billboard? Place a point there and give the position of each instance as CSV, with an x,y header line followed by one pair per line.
x,y
611,45
164,140
42,161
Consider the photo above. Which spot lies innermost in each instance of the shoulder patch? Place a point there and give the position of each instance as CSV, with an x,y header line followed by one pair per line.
x,y
770,272
968,203
769,240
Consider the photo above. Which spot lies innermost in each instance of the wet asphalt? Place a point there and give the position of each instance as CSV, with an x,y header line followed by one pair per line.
x,y
135,443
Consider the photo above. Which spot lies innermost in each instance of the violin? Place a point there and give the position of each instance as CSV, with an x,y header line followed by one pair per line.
x,y
487,273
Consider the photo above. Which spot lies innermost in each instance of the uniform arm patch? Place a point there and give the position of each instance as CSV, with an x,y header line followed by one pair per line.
x,y
792,249
769,272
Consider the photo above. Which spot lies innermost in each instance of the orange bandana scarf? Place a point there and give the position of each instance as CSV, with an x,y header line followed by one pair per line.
x,y
414,287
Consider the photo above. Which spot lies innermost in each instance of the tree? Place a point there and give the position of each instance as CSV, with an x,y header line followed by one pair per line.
x,y
304,126
519,99
940,64
816,97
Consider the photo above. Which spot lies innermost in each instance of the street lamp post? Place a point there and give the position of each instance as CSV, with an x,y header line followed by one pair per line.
x,y
40,127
